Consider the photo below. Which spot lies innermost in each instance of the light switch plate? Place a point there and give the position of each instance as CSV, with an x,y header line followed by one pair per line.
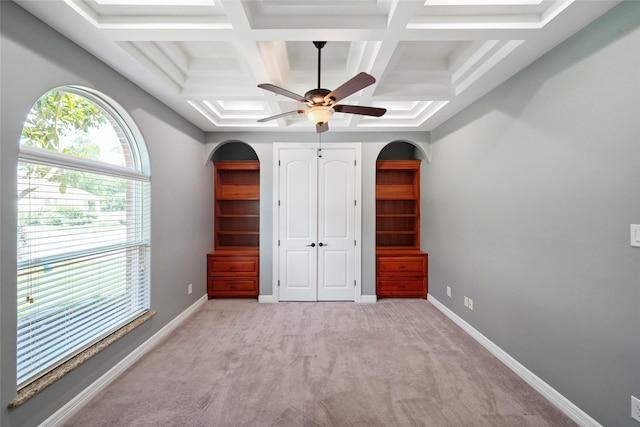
x,y
635,235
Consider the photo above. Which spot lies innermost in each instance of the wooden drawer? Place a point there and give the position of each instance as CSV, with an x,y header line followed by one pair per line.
x,y
414,287
410,265
401,275
232,265
240,286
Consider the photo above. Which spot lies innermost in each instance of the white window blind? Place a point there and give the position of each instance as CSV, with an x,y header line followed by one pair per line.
x,y
83,255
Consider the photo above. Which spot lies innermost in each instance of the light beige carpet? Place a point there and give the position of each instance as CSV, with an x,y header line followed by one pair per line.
x,y
393,363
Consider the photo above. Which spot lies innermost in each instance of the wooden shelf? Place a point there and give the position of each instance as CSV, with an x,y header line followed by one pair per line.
x,y
398,203
232,268
237,203
401,268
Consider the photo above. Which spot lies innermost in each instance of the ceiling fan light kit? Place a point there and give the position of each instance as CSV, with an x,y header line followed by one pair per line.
x,y
320,114
321,102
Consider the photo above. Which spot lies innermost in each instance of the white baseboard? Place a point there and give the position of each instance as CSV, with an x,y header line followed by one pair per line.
x,y
75,404
266,299
368,299
561,402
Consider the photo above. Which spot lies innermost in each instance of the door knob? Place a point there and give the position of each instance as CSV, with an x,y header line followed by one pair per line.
x,y
322,244
313,245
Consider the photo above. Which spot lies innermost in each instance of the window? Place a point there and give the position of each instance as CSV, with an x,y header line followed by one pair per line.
x,y
83,228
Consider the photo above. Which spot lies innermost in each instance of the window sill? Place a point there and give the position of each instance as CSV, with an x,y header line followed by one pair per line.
x,y
35,387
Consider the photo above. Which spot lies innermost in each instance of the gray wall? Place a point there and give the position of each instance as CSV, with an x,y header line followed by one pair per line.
x,y
36,59
527,205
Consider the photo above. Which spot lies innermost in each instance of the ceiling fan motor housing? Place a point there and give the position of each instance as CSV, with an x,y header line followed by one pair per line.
x,y
317,96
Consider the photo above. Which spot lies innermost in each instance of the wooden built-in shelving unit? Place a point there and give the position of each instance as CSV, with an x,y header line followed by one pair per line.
x,y
233,266
401,267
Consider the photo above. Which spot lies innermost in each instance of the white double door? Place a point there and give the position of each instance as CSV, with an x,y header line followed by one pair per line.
x,y
317,234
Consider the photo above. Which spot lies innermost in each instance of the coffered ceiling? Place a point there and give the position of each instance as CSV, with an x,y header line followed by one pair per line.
x,y
205,58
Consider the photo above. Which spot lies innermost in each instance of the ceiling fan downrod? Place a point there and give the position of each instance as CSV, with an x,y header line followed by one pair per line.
x,y
319,45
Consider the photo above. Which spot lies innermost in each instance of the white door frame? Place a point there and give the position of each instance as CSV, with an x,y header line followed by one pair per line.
x,y
358,212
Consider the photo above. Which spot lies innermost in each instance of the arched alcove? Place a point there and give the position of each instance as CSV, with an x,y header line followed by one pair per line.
x,y
401,150
234,150
233,266
401,268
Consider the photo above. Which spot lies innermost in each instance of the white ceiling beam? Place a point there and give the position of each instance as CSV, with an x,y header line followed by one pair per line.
x,y
193,54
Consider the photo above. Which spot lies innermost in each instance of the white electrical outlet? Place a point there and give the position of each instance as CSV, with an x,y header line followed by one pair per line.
x,y
635,408
189,288
466,301
448,291
470,304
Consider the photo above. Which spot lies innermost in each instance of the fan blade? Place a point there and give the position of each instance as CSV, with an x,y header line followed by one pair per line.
x,y
283,92
358,109
277,116
358,82
322,127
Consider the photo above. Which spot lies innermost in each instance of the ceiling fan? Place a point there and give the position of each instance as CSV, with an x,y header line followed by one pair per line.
x,y
322,102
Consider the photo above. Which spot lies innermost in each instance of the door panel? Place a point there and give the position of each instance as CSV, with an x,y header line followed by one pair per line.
x,y
334,205
299,201
336,225
335,265
298,264
298,225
